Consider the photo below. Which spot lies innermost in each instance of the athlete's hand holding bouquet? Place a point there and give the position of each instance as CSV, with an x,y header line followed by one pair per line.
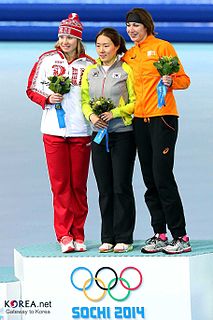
x,y
59,85
165,66
101,108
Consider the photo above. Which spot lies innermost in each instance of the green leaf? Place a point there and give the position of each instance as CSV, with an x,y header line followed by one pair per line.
x,y
167,65
101,104
59,84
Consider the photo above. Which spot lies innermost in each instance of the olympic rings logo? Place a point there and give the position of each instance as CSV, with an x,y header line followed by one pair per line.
x,y
106,288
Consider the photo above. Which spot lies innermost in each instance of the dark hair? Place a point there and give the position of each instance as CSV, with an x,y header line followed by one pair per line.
x,y
145,18
115,37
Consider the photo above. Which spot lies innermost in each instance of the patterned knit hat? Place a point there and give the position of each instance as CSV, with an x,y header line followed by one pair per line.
x,y
71,26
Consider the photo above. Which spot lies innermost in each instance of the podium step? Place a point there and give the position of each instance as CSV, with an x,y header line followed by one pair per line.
x,y
91,285
7,275
52,249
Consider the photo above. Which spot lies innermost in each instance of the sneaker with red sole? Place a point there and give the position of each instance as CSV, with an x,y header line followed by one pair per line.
x,y
67,244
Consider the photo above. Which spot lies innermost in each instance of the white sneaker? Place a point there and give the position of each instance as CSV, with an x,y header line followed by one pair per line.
x,y
123,247
67,244
106,247
80,246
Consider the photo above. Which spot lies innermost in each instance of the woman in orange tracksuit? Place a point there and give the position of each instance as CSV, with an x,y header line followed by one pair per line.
x,y
156,133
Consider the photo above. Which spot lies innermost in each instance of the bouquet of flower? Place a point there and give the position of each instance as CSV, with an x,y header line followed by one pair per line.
x,y
100,105
61,85
165,66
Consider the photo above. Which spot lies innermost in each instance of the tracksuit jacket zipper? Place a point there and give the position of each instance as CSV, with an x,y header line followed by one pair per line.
x,y
103,84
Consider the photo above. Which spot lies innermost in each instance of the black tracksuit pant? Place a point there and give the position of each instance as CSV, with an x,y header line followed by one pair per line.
x,y
113,172
155,139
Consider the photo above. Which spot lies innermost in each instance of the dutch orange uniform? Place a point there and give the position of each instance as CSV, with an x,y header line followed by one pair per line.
x,y
146,77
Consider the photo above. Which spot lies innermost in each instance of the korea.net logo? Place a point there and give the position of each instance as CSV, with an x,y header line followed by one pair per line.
x,y
11,304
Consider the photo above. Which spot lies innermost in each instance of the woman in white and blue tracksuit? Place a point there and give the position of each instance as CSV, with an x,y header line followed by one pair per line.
x,y
112,78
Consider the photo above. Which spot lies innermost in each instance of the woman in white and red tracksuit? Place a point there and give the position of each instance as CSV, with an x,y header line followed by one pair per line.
x,y
67,149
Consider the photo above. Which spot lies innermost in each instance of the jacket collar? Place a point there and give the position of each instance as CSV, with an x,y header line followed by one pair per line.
x,y
81,57
145,41
99,63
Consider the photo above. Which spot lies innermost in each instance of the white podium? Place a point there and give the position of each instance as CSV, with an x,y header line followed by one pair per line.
x,y
91,285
